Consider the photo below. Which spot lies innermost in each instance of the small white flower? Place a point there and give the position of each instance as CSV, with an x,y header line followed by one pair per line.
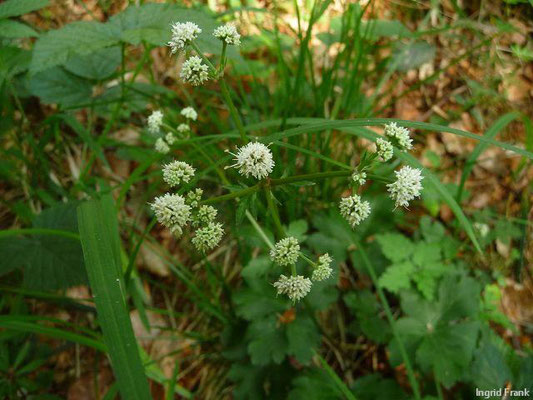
x,y
194,197
254,159
190,113
401,134
359,177
172,212
161,146
354,209
384,149
183,33
323,270
170,138
286,251
155,120
208,237
407,186
193,71
295,287
205,215
228,33
483,229
176,172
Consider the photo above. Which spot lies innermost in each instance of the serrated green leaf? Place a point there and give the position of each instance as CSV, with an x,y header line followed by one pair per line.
x,y
302,337
14,8
298,229
268,342
397,277
253,303
58,46
314,384
55,85
489,369
98,65
426,253
14,29
426,278
375,387
395,246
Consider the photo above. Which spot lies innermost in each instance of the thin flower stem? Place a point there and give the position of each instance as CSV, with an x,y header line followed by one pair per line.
x,y
259,229
233,110
204,58
274,211
392,322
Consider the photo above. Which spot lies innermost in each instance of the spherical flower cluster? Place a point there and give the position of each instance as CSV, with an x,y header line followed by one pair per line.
x,y
170,138
254,159
295,287
190,113
155,120
194,71
205,215
401,135
194,197
407,186
359,177
183,33
228,33
208,237
323,270
161,146
481,228
385,149
286,251
176,172
354,209
172,212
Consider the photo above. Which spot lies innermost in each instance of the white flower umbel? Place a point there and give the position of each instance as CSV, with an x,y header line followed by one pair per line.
x,y
286,251
323,270
194,71
194,197
176,172
354,209
183,130
254,159
205,215
481,228
183,33
170,138
161,146
384,149
295,287
359,177
208,237
401,134
228,33
407,186
155,120
189,113
172,212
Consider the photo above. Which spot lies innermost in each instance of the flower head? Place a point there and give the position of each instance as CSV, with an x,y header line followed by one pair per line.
x,y
183,33
228,33
401,135
176,172
354,209
323,270
286,251
155,120
254,159
359,177
385,149
161,146
295,287
208,237
172,212
170,138
194,197
205,215
481,228
194,71
190,113
407,186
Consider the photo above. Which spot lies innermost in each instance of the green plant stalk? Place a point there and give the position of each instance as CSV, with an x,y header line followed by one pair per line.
x,y
259,229
274,211
233,110
39,231
338,381
392,322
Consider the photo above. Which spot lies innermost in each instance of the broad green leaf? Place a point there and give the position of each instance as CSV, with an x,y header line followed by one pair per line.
x,y
13,60
98,65
412,55
395,246
366,308
14,29
268,342
302,337
489,369
100,242
397,277
376,28
426,253
55,85
253,303
56,47
298,229
14,8
426,278
314,384
249,380
375,387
